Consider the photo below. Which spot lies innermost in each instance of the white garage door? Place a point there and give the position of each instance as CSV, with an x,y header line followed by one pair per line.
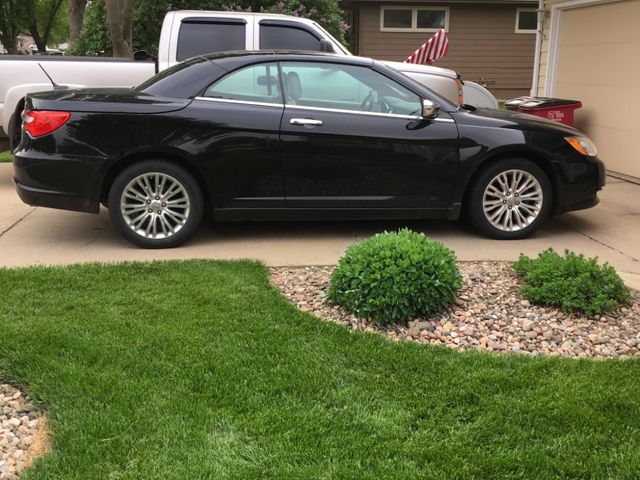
x,y
599,64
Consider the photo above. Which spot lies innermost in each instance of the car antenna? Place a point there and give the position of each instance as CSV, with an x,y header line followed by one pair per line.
x,y
55,85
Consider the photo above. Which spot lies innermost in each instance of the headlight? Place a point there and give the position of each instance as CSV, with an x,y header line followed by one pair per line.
x,y
583,144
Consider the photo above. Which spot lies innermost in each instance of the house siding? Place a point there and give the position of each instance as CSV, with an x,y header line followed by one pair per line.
x,y
544,46
483,45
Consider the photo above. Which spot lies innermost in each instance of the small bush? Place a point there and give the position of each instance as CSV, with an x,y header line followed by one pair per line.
x,y
572,282
395,276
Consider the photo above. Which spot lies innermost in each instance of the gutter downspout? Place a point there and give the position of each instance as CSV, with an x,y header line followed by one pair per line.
x,y
536,61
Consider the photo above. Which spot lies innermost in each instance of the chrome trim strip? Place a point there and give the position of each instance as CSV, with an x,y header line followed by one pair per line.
x,y
242,102
349,198
357,112
319,109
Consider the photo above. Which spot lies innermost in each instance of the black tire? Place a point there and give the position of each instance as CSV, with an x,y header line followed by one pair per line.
x,y
527,217
189,193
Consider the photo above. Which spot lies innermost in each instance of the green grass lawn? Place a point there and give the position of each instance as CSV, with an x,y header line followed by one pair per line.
x,y
6,156
201,370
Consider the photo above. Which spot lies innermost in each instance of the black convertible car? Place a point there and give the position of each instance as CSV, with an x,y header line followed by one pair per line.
x,y
295,135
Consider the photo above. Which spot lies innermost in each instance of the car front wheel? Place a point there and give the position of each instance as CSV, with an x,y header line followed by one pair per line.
x,y
155,204
510,199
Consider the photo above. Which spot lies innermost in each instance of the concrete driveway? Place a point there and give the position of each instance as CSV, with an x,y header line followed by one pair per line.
x,y
37,236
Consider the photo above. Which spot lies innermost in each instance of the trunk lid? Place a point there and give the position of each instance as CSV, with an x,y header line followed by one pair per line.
x,y
103,100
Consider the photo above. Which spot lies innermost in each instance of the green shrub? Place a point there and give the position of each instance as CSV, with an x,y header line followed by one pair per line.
x,y
572,282
395,276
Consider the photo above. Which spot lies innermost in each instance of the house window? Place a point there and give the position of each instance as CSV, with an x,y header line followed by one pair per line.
x,y
431,19
395,18
413,19
526,20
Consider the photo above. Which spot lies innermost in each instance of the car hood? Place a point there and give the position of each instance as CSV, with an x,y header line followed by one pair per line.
x,y
420,68
485,117
104,100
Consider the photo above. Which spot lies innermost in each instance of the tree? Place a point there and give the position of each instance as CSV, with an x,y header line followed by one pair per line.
x,y
11,12
76,18
326,12
45,22
120,23
97,38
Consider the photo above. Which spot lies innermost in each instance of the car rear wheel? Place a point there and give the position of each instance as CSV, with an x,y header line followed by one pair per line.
x,y
155,204
510,199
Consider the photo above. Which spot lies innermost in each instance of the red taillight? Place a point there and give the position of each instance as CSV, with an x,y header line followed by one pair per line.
x,y
42,122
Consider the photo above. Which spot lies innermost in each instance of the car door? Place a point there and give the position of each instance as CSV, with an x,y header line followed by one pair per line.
x,y
234,132
352,137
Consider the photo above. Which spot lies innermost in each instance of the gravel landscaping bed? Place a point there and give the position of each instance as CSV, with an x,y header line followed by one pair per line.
x,y
21,432
489,314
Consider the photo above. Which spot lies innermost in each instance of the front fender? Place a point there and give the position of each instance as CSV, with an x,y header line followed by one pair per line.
x,y
484,146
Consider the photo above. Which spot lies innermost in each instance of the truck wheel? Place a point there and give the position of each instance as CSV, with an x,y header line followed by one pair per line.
x,y
14,132
510,199
155,204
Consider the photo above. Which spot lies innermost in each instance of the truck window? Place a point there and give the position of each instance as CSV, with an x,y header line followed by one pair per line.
x,y
288,38
201,37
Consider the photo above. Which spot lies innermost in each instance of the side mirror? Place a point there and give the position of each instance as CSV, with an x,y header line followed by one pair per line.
x,y
270,81
429,109
326,46
141,55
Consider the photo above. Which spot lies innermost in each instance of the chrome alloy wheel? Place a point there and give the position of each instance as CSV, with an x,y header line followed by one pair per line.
x,y
155,205
512,200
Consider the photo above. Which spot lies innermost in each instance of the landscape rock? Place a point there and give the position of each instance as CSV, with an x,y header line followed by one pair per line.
x,y
18,428
489,314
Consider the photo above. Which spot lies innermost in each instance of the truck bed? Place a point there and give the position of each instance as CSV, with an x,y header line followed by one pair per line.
x,y
22,74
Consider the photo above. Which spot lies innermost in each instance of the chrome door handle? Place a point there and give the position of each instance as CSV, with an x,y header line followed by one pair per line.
x,y
306,122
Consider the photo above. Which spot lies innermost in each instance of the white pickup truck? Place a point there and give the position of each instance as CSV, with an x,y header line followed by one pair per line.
x,y
184,34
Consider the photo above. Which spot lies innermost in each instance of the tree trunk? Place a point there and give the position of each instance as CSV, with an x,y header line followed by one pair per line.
x,y
50,21
42,38
10,10
11,48
42,46
120,21
37,39
76,18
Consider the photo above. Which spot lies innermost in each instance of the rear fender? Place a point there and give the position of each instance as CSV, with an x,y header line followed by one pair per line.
x,y
17,93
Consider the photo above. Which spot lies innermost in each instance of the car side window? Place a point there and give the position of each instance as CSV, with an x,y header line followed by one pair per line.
x,y
284,37
255,83
346,87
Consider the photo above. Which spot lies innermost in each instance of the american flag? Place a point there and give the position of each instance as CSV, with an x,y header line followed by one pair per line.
x,y
434,48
